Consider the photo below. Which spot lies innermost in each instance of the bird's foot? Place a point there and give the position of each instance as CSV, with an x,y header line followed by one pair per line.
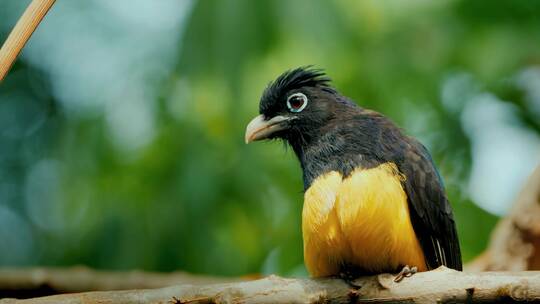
x,y
406,272
349,278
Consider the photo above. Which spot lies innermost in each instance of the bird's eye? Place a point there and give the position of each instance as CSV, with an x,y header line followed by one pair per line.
x,y
297,102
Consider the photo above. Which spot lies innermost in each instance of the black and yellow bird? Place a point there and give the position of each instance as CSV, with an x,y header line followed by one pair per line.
x,y
374,201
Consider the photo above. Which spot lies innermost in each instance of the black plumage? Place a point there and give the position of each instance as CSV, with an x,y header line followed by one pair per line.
x,y
335,134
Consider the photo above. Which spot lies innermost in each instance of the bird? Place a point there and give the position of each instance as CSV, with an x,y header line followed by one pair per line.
x,y
374,201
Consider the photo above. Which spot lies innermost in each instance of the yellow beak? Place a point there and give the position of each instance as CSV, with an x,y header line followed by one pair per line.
x,y
260,128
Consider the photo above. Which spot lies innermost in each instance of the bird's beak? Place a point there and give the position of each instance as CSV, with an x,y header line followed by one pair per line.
x,y
260,128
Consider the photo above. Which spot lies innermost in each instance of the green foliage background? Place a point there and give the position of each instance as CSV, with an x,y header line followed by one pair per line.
x,y
196,197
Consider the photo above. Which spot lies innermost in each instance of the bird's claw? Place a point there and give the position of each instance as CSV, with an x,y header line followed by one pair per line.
x,y
405,273
349,278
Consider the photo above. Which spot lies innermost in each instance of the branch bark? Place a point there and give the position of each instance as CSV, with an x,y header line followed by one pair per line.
x,y
442,285
20,34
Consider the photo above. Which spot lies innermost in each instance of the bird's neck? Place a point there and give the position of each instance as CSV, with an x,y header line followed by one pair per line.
x,y
321,151
342,145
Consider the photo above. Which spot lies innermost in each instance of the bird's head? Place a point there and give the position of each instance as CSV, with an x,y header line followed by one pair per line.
x,y
294,107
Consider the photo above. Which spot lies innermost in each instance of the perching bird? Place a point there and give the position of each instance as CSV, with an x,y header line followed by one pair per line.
x,y
373,199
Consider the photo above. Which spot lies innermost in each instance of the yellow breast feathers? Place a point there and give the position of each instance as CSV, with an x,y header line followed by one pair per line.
x,y
361,221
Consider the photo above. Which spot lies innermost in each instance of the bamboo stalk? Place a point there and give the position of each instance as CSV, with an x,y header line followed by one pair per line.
x,y
20,34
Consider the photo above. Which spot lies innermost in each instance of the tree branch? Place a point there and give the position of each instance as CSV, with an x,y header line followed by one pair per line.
x,y
438,286
20,34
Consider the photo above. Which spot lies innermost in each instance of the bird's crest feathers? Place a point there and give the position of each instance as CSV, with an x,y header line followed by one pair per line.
x,y
306,76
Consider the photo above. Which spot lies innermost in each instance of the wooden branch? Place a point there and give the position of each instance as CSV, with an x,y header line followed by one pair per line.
x,y
20,34
442,285
33,282
515,242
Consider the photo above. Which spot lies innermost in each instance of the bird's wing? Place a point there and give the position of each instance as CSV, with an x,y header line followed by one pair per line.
x,y
431,214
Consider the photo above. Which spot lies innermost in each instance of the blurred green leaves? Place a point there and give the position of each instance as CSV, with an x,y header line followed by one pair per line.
x,y
192,195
